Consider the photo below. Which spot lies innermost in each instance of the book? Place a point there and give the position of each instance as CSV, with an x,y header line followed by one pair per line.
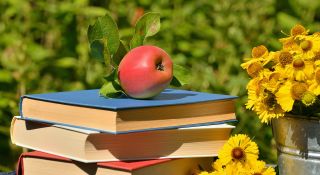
x,y
35,163
92,146
86,109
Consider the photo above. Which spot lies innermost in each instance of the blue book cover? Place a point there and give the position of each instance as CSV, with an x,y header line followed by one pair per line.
x,y
92,99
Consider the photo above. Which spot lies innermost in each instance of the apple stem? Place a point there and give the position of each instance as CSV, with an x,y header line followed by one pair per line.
x,y
160,66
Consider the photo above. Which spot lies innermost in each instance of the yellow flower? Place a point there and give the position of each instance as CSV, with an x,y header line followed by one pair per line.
x,y
217,165
291,43
268,108
300,69
267,80
298,30
259,168
253,67
309,45
259,51
289,92
255,90
315,83
261,97
238,151
259,58
273,80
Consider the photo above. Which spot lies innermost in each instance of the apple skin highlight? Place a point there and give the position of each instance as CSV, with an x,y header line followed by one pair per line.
x,y
145,71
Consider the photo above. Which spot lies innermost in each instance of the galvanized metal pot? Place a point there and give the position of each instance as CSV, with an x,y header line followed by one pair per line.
x,y
298,145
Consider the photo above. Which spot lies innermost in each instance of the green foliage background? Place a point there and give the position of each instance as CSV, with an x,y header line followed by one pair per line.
x,y
44,48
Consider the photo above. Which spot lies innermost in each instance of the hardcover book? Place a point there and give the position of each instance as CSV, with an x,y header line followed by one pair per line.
x,y
86,109
92,146
35,163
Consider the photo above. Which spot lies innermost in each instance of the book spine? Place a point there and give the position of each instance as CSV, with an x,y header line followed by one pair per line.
x,y
20,106
19,167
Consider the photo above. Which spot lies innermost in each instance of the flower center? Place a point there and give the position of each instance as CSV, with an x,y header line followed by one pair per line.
x,y
237,153
306,45
318,76
308,98
270,100
298,63
297,30
254,69
285,58
297,90
257,174
258,51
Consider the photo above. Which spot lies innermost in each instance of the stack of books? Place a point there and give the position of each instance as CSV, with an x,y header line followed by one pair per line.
x,y
79,132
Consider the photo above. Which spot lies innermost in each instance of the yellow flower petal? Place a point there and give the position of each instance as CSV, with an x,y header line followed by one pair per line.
x,y
284,98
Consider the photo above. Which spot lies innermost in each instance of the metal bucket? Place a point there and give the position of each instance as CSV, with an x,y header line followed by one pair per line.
x,y
298,145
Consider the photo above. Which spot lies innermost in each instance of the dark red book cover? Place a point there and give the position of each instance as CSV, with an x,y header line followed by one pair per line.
x,y
121,165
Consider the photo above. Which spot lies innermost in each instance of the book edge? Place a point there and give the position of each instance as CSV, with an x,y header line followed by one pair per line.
x,y
130,131
100,161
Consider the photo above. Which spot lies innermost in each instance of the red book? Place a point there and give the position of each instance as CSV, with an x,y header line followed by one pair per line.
x,y
42,163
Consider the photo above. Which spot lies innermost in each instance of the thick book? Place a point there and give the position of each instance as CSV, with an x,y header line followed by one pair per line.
x,y
92,146
35,163
171,109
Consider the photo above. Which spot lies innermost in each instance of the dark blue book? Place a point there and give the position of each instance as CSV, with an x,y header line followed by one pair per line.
x,y
86,109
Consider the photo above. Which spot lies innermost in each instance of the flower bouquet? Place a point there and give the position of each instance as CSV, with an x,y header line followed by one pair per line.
x,y
285,81
285,89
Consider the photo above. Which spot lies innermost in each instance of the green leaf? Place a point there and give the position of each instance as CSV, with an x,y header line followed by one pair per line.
x,y
105,29
175,82
113,76
99,52
96,50
147,25
104,40
180,76
111,90
121,52
108,62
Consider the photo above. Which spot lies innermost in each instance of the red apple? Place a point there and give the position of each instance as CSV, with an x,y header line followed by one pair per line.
x,y
145,71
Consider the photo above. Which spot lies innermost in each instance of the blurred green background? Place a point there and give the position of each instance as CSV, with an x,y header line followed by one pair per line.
x,y
44,48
